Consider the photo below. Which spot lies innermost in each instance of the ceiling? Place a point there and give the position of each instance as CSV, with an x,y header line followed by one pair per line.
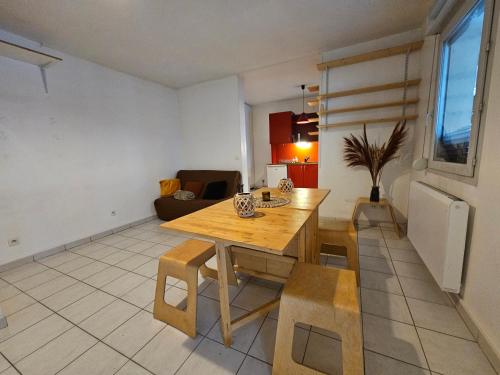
x,y
181,42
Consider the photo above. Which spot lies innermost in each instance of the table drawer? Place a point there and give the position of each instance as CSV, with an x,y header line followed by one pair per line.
x,y
260,264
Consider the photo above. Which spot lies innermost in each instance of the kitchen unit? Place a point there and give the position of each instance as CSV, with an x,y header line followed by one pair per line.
x,y
294,152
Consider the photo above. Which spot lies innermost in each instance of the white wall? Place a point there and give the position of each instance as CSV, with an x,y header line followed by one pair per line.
x,y
211,116
260,121
480,295
348,184
98,141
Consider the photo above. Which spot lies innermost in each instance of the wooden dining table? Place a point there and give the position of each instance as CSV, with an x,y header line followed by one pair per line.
x,y
265,245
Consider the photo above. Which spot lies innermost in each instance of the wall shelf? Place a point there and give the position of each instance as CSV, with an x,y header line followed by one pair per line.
x,y
379,54
368,89
368,121
369,106
27,55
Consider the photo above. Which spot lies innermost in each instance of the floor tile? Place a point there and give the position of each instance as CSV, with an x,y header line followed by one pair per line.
x,y
452,355
439,318
61,352
373,251
252,366
102,252
10,371
376,364
380,281
263,346
22,272
67,296
132,335
173,240
208,312
403,244
85,307
38,279
98,360
23,319
59,258
412,270
124,244
371,232
87,248
390,234
117,257
212,290
124,284
8,292
74,264
4,364
212,358
88,270
148,269
140,246
243,337
376,264
323,354
133,262
141,295
111,240
385,305
109,318
156,250
105,276
132,368
423,290
160,361
34,337
394,339
51,287
409,256
372,242
253,296
16,303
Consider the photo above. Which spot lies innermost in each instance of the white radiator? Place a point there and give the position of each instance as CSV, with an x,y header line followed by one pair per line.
x,y
437,226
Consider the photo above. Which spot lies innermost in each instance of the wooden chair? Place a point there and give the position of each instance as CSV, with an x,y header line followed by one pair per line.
x,y
326,298
335,233
182,262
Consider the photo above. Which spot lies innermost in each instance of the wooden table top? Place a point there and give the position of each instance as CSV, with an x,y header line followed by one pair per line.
x,y
270,230
301,198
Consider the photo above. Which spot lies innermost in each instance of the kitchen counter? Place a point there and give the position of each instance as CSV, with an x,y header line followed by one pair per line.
x,y
297,163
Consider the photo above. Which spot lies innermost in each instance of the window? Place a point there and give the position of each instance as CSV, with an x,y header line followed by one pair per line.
x,y
459,98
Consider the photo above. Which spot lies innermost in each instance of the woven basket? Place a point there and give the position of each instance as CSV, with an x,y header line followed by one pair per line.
x,y
285,185
244,204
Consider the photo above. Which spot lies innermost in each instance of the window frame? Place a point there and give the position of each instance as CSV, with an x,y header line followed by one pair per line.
x,y
467,170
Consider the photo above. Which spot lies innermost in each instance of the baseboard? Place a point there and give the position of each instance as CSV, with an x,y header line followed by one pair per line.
x,y
482,340
45,253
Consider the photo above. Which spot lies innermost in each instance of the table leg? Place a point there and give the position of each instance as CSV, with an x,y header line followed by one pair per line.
x,y
312,239
223,256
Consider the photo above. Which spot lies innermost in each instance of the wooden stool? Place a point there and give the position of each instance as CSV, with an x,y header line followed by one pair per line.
x,y
182,262
341,233
325,298
382,203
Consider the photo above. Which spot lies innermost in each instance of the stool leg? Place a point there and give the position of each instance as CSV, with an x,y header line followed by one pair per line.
x,y
352,254
161,280
192,300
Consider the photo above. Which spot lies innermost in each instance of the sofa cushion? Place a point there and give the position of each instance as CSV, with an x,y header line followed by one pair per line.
x,y
169,187
215,190
194,186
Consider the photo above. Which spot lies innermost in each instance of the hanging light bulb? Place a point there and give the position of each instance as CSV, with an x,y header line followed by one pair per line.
x,y
303,119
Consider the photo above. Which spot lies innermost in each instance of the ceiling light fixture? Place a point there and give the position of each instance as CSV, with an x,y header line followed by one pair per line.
x,y
303,119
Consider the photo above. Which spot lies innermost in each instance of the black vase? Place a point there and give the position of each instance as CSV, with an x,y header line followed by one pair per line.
x,y
375,194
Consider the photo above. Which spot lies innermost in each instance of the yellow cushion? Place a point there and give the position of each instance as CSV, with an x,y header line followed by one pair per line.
x,y
169,187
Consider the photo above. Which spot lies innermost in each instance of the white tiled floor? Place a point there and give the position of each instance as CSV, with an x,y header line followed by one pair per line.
x,y
89,311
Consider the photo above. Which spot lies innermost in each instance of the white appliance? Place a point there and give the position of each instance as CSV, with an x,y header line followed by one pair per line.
x,y
275,172
437,227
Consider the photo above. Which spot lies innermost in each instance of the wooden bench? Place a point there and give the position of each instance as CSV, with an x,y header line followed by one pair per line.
x,y
182,262
334,233
326,298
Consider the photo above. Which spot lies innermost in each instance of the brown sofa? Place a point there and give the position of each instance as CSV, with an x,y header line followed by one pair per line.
x,y
168,208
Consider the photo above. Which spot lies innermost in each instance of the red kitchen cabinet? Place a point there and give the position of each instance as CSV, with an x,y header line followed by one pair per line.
x,y
311,175
280,127
303,175
296,173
